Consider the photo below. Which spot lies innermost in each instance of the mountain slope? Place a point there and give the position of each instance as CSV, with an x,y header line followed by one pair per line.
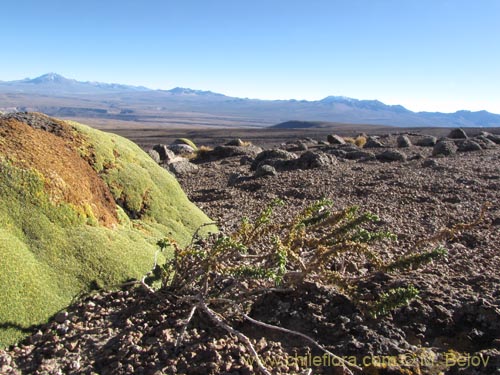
x,y
79,209
58,96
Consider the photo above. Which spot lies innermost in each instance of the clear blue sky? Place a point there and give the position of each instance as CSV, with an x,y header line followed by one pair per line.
x,y
424,54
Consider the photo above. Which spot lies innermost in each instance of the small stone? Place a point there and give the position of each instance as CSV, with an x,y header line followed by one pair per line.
x,y
265,170
71,345
344,319
61,317
236,142
430,163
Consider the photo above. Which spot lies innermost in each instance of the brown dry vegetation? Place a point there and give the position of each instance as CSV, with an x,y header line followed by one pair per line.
x,y
68,177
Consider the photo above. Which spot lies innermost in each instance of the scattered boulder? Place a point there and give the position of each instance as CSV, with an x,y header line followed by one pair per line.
x,y
341,154
360,155
226,151
182,167
246,160
391,155
311,141
469,145
403,141
311,160
334,139
181,149
484,142
492,137
444,148
272,157
283,160
347,147
373,142
457,134
301,146
236,142
427,141
415,156
165,154
265,170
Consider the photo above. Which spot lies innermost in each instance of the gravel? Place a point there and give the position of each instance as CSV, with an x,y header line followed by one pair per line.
x,y
132,331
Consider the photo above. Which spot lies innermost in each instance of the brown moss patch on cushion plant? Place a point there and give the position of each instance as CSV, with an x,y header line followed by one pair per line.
x,y
67,176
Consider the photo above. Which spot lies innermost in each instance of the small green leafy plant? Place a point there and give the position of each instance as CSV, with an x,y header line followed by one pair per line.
x,y
393,299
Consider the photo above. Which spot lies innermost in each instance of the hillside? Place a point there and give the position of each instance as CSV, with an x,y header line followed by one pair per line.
x,y
106,103
79,209
388,253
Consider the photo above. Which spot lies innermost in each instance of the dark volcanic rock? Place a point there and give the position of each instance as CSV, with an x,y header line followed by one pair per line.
x,y
166,155
373,143
182,167
428,141
391,155
484,142
265,170
272,157
457,134
360,155
235,142
285,161
445,148
37,121
155,156
469,145
227,151
310,160
181,149
403,141
335,139
341,154
492,137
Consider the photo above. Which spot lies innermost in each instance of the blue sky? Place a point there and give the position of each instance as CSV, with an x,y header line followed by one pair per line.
x,y
435,55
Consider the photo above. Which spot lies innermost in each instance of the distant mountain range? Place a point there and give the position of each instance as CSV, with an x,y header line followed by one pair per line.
x,y
108,103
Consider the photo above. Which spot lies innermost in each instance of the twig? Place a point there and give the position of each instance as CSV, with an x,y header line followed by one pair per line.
x,y
178,342
220,322
196,233
345,363
146,286
155,264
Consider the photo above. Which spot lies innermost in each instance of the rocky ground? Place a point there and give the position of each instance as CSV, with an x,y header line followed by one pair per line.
x,y
416,187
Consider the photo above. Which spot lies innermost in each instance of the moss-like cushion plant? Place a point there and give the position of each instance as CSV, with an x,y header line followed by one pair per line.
x,y
79,208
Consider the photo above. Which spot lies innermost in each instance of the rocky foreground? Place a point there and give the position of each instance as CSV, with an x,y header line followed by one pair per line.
x,y
418,186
